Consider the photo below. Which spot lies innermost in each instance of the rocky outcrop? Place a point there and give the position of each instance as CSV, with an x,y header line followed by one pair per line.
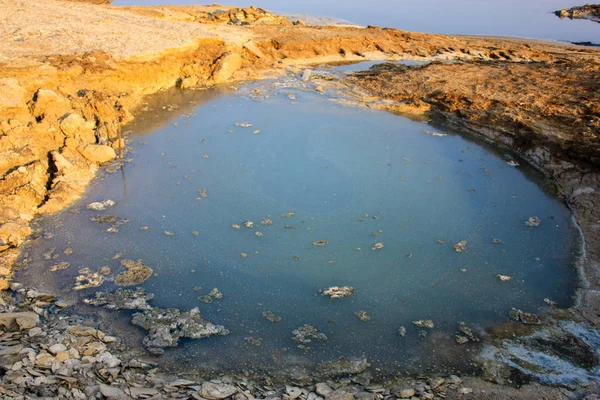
x,y
588,11
92,1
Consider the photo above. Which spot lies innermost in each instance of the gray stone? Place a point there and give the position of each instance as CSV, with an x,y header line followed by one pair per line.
x,y
217,391
323,389
23,320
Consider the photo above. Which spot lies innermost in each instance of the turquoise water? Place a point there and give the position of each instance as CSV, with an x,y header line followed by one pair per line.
x,y
530,18
353,177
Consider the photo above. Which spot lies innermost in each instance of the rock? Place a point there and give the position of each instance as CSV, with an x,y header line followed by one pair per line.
x,y
526,318
306,333
402,331
424,323
503,278
320,242
340,395
306,75
97,153
550,302
363,316
122,299
60,266
377,246
104,219
323,389
13,234
344,366
74,126
22,320
100,205
533,222
253,49
227,65
337,292
87,279
217,391
166,326
57,348
464,390
271,317
405,393
137,272
460,246
496,241
113,393
293,392
288,215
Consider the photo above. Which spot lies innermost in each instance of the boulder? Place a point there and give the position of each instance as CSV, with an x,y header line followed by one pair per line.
x,y
227,65
217,391
97,153
74,126
23,320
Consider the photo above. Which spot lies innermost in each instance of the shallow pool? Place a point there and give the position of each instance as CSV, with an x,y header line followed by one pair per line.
x,y
350,176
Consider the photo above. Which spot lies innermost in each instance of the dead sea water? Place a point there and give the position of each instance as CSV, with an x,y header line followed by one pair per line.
x,y
319,171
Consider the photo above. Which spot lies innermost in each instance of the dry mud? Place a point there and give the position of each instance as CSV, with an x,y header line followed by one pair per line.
x,y
69,81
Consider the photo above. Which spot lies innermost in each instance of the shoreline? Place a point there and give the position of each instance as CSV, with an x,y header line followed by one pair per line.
x,y
102,89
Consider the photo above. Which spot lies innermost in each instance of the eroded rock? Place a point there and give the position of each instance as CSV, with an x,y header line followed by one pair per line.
x,y
137,272
122,299
337,292
166,326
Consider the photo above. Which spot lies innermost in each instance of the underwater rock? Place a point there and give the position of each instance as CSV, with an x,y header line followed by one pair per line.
x,y
363,316
104,219
254,341
337,292
216,294
496,241
344,366
550,302
248,224
60,266
306,334
526,318
100,205
266,221
533,222
122,299
288,215
137,272
377,246
424,323
87,279
504,278
402,331
205,299
203,193
235,226
166,326
320,242
259,234
271,317
465,334
460,246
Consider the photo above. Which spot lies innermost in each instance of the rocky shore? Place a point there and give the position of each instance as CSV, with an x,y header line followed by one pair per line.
x,y
69,83
589,11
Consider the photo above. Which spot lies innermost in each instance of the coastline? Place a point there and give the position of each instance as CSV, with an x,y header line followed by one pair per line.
x,y
45,165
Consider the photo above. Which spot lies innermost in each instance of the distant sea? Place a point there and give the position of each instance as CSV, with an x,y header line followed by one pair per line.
x,y
523,18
